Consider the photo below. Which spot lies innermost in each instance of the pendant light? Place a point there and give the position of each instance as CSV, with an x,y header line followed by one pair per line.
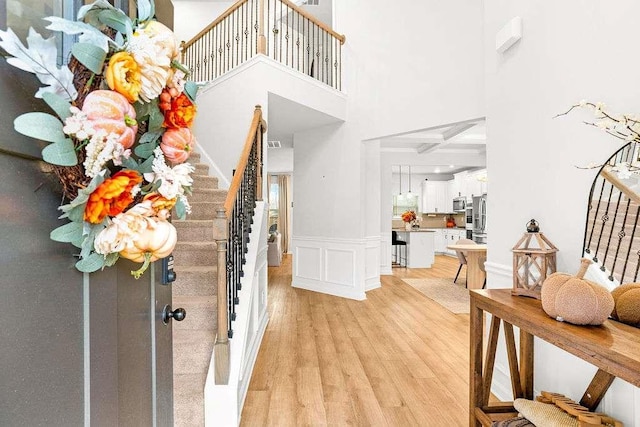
x,y
409,194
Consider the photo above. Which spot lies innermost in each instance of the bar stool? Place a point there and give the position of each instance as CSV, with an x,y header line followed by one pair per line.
x,y
398,243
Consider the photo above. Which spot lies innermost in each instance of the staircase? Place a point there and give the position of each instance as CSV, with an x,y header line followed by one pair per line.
x,y
195,259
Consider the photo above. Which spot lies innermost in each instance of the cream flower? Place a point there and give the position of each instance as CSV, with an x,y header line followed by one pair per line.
x,y
124,229
102,148
153,47
173,180
78,125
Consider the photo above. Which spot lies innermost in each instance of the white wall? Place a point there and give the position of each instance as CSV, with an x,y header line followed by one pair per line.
x,y
569,51
225,108
280,160
418,65
190,17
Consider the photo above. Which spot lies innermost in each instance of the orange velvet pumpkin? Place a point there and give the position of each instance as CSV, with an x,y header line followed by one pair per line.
x,y
627,300
574,299
177,144
111,112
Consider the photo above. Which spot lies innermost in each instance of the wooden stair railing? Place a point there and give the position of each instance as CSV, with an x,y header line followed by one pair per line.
x,y
234,224
278,29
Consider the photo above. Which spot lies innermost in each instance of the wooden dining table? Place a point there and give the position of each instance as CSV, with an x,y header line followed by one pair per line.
x,y
473,254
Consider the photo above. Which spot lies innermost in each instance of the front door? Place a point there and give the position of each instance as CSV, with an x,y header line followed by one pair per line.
x,y
77,349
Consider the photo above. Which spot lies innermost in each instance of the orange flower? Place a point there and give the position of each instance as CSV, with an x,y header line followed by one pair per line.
x,y
409,216
123,76
112,196
159,203
181,114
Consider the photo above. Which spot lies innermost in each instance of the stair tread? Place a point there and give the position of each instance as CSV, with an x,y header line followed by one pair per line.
x,y
199,222
195,269
194,300
196,245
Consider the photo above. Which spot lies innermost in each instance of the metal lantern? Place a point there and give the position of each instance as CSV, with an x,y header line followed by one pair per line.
x,y
534,259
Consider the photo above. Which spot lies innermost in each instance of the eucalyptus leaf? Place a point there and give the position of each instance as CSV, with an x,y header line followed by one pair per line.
x,y
144,151
89,13
156,118
93,262
145,10
91,231
118,20
130,164
111,259
191,89
78,242
61,153
143,109
150,137
146,166
181,209
90,56
40,126
58,104
67,233
75,214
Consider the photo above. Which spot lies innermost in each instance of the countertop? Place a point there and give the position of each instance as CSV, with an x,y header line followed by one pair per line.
x,y
428,230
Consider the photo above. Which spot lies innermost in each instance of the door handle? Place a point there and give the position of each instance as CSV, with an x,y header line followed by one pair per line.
x,y
178,314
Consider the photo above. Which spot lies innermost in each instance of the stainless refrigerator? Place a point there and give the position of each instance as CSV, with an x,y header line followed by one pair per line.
x,y
480,219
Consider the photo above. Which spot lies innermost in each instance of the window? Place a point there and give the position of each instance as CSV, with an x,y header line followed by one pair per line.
x,y
274,200
402,203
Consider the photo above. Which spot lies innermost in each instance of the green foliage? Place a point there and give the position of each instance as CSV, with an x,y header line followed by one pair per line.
x,y
89,55
90,264
40,126
58,104
145,151
60,153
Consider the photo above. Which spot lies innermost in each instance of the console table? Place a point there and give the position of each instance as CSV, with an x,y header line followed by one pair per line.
x,y
614,348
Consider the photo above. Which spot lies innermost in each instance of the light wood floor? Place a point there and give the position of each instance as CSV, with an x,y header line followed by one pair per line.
x,y
395,359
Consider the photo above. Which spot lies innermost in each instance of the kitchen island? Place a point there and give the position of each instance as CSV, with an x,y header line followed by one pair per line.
x,y
420,247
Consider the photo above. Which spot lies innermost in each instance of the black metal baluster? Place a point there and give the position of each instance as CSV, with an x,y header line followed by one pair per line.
x,y
621,235
605,218
633,234
613,224
588,248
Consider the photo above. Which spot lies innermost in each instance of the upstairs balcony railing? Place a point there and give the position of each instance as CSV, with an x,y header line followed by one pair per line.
x,y
276,28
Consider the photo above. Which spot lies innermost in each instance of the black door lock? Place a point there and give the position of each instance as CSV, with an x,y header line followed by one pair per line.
x,y
168,275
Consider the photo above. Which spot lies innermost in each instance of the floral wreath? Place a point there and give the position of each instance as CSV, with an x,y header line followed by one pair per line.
x,y
121,138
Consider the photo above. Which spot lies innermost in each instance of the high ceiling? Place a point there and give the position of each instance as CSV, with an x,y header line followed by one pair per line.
x,y
444,149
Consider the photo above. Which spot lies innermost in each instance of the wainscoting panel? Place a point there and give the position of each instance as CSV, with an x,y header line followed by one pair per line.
x,y
385,253
340,267
311,265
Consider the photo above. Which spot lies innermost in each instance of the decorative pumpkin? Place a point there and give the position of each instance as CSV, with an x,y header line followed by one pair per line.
x,y
627,304
154,243
177,144
574,299
109,111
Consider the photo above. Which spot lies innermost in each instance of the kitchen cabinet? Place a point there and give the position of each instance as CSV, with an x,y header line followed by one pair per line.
x,y
420,247
439,241
435,197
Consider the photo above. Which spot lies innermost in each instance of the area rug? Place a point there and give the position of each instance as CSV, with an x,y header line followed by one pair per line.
x,y
454,297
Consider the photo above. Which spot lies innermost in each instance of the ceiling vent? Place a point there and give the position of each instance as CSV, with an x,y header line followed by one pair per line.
x,y
274,144
313,2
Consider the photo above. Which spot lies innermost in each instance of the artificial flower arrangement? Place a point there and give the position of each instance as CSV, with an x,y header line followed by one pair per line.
x,y
622,126
121,138
409,216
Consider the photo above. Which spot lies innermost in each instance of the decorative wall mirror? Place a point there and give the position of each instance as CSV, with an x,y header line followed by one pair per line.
x,y
612,237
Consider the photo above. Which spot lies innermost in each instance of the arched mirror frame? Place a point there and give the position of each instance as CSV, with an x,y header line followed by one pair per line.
x,y
611,237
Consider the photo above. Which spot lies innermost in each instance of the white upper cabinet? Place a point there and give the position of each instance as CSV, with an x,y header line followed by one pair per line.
x,y
435,197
